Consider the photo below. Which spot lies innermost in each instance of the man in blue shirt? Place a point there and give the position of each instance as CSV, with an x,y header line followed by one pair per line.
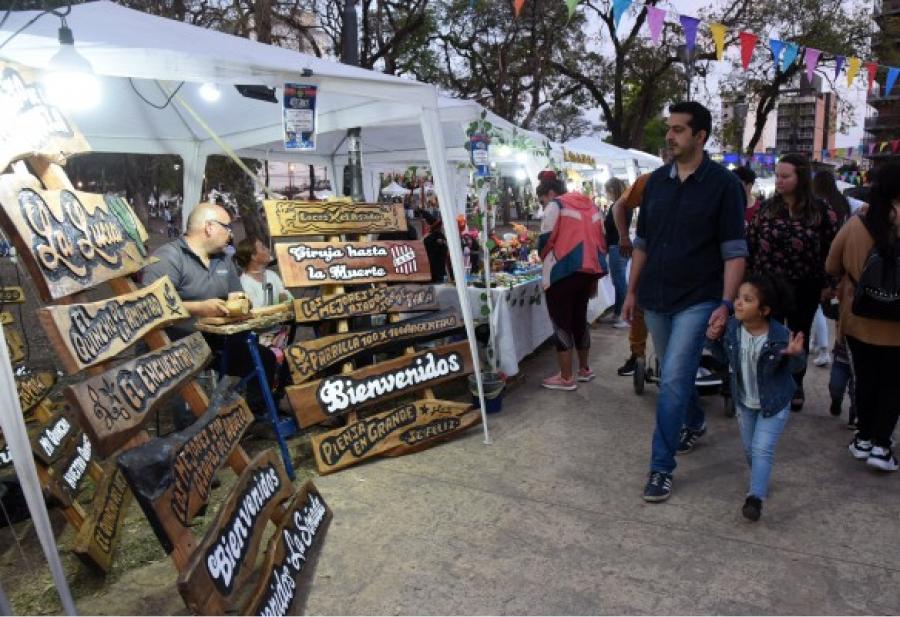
x,y
688,261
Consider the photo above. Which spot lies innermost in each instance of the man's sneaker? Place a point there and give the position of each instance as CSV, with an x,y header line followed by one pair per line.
x,y
752,508
627,369
860,448
883,459
835,408
585,374
659,486
558,383
621,324
823,359
689,438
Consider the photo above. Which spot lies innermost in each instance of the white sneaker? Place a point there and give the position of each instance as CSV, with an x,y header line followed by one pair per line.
x,y
861,449
883,459
823,359
621,324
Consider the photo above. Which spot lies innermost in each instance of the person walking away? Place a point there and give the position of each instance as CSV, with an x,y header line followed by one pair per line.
x,y
689,259
437,251
762,355
614,190
866,253
789,238
572,246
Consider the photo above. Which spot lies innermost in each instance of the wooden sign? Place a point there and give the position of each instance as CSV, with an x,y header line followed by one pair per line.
x,y
15,345
394,299
309,357
221,565
70,241
6,318
30,125
70,470
172,477
51,440
33,388
11,295
5,458
297,218
410,425
291,556
310,264
87,334
115,405
333,396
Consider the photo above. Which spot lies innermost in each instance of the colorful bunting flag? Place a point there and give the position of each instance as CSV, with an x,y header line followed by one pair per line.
x,y
852,70
748,42
718,35
790,55
850,152
690,31
891,80
895,143
872,148
838,65
776,46
517,6
619,8
655,18
572,5
871,69
811,58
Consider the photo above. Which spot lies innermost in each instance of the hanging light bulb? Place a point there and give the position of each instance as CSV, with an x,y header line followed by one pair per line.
x,y
521,175
210,92
69,80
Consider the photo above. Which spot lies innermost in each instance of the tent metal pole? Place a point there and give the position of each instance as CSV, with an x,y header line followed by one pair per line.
x,y
5,608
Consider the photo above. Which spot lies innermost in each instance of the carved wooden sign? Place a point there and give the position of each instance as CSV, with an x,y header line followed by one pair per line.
x,y
33,388
297,218
30,125
87,334
291,555
15,345
172,477
6,318
406,426
11,295
395,299
71,241
70,469
333,396
5,458
307,264
225,559
51,440
309,357
115,404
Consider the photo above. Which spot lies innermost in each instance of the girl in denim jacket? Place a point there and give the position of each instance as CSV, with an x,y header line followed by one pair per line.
x,y
762,355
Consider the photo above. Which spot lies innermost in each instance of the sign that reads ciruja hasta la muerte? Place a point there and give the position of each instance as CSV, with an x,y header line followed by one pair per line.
x,y
333,396
309,264
309,357
225,559
394,299
397,431
172,477
290,559
115,404
297,218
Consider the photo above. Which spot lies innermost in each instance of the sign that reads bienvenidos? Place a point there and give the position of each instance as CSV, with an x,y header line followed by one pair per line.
x,y
309,264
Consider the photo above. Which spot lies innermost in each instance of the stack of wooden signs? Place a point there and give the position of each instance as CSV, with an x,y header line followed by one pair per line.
x,y
363,277
71,242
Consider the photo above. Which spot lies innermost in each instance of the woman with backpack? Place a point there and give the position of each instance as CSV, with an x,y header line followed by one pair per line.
x,y
789,238
866,252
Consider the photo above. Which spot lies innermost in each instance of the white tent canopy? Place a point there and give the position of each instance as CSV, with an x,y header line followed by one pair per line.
x,y
394,190
620,162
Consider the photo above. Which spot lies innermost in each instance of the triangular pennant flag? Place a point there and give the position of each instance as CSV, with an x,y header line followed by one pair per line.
x,y
718,35
895,143
619,8
790,54
872,148
748,42
891,80
852,69
850,152
517,6
776,46
572,4
811,58
838,65
871,69
690,30
655,18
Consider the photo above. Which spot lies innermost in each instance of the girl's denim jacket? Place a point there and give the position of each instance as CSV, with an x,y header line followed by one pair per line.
x,y
775,371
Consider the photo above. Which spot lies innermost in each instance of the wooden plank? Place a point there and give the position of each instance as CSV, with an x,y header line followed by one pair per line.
x,y
226,557
309,357
311,264
298,218
395,299
172,477
290,559
33,387
333,396
85,335
408,425
70,241
15,345
100,532
114,405
53,438
11,295
71,469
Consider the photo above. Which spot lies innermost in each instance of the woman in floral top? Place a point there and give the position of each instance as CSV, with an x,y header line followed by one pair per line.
x,y
789,237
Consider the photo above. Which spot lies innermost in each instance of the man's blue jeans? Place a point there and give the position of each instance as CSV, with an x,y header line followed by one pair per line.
x,y
760,436
678,339
617,265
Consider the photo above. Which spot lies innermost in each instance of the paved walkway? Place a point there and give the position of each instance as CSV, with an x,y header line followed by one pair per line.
x,y
549,519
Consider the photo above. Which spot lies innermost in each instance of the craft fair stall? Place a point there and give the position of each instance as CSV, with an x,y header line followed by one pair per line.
x,y
611,161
